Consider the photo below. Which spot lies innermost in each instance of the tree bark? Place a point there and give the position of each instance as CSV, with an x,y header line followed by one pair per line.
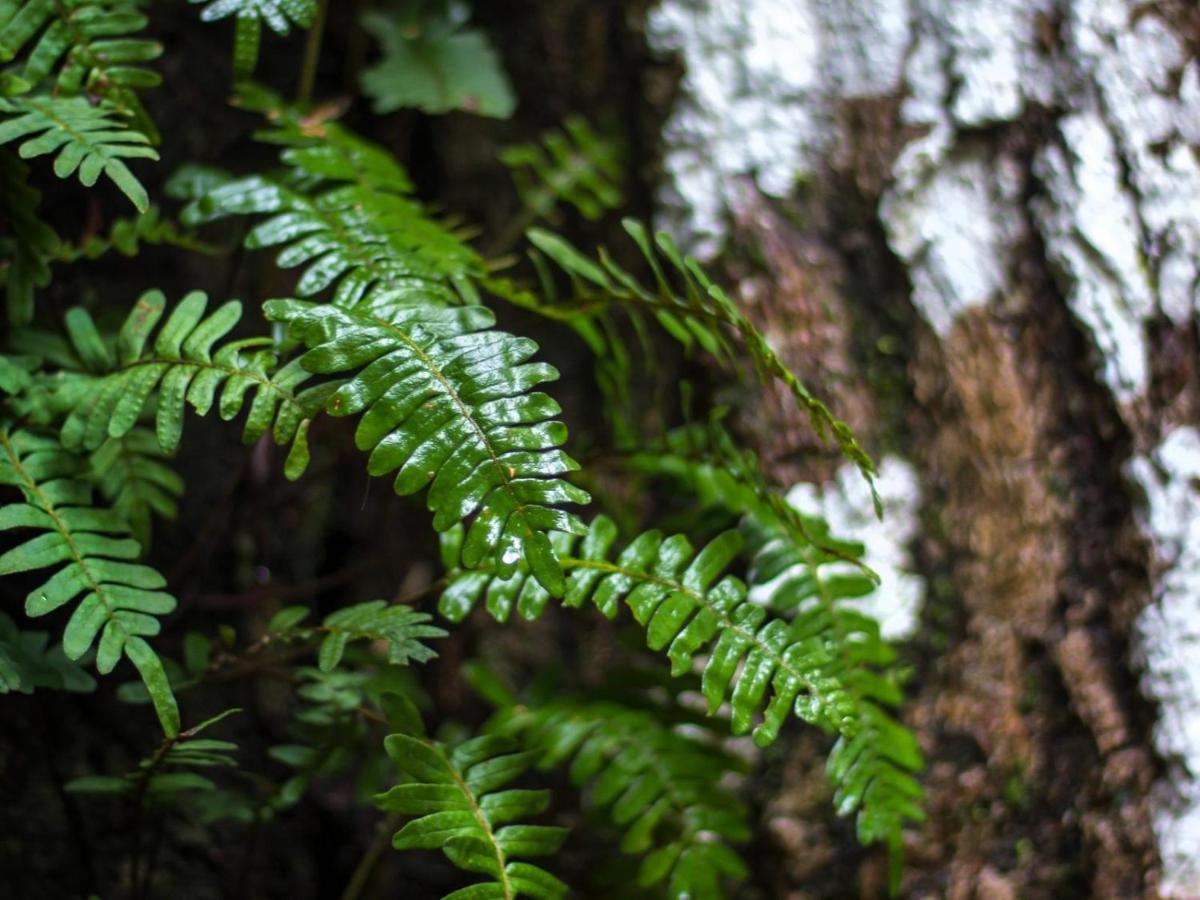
x,y
976,232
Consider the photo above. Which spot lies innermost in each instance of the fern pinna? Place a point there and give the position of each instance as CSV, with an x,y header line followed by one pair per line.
x,y
454,796
93,555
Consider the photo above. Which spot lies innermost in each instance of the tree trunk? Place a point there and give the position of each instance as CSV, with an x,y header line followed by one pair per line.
x,y
977,234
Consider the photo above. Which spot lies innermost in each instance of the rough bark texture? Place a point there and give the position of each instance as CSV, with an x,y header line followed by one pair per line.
x,y
987,260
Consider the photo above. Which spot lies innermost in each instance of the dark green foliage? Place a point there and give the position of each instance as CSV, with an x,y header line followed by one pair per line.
x,y
573,165
134,477
459,808
661,787
449,405
92,554
27,663
400,627
688,606
432,62
26,244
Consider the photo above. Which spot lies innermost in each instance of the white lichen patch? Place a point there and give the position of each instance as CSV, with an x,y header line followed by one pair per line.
x,y
846,504
759,78
1089,222
1169,643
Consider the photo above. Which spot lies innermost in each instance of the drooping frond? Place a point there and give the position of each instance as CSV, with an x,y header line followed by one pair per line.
x,y
92,139
27,242
448,403
689,607
134,477
690,307
28,663
80,47
458,808
661,787
400,627
92,554
278,14
574,165
434,63
344,210
874,771
180,364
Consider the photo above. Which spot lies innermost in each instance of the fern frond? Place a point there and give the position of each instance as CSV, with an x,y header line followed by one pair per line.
x,y
691,308
93,555
278,14
458,808
345,212
27,663
574,165
686,603
134,478
91,139
873,771
662,788
26,242
448,403
400,627
87,47
177,366
170,770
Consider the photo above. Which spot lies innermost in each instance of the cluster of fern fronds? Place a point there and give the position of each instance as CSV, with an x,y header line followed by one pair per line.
x,y
384,310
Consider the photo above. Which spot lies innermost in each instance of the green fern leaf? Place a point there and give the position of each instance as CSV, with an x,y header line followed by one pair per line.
x,y
91,549
458,808
447,403
399,627
346,214
435,64
278,14
686,604
88,47
659,786
178,366
87,138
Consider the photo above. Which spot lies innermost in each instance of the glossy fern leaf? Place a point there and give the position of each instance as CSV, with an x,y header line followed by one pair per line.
x,y
343,211
662,788
180,363
449,404
691,609
458,806
400,627
691,308
92,553
72,48
86,138
279,15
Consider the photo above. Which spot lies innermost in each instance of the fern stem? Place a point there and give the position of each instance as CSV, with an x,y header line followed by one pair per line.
x,y
312,55
369,860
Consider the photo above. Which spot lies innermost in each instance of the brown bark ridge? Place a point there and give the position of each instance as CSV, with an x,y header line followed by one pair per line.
x,y
980,225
